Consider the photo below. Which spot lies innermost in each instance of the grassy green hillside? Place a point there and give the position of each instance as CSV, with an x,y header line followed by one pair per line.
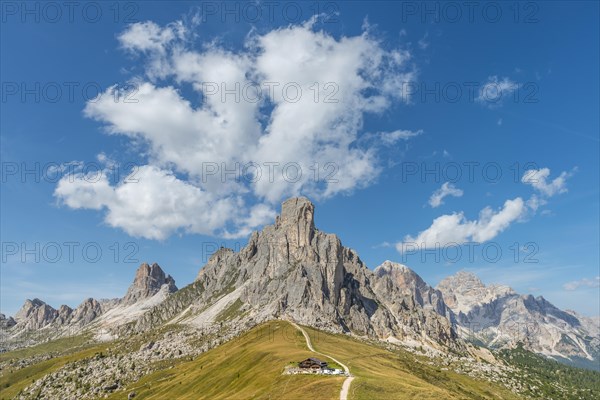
x,y
548,379
251,367
396,374
53,355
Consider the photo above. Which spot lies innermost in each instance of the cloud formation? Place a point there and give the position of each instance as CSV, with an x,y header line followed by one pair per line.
x,y
291,101
154,204
455,228
447,189
538,179
495,90
582,283
391,138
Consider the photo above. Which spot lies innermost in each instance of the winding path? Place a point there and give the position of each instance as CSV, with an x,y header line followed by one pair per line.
x,y
347,381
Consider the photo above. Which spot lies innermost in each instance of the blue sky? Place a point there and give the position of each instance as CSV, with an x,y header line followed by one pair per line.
x,y
523,134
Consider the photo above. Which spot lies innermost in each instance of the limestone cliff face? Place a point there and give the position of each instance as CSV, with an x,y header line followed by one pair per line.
x,y
292,270
64,314
397,281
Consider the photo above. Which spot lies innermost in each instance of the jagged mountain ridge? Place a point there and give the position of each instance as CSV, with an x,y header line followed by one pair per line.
x,y
288,270
291,270
499,317
149,284
36,314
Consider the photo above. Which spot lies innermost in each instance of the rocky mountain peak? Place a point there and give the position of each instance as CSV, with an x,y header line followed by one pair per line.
x,y
462,280
398,281
297,218
462,291
87,311
297,210
36,302
292,270
28,307
64,313
149,279
390,267
498,316
402,275
65,309
35,314
468,284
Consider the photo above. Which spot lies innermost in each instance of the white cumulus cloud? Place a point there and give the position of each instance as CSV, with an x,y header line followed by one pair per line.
x,y
447,189
152,203
538,178
292,101
455,228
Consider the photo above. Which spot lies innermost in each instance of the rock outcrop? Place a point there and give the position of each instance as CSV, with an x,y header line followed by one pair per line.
x,y
6,323
35,314
86,312
404,293
149,280
64,314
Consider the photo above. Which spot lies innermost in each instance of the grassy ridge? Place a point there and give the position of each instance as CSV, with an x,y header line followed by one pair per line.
x,y
250,366
385,374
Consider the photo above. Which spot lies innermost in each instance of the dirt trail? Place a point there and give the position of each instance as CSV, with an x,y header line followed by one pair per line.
x,y
347,381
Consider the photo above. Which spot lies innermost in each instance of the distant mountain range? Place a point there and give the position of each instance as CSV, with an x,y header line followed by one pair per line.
x,y
496,316
290,270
